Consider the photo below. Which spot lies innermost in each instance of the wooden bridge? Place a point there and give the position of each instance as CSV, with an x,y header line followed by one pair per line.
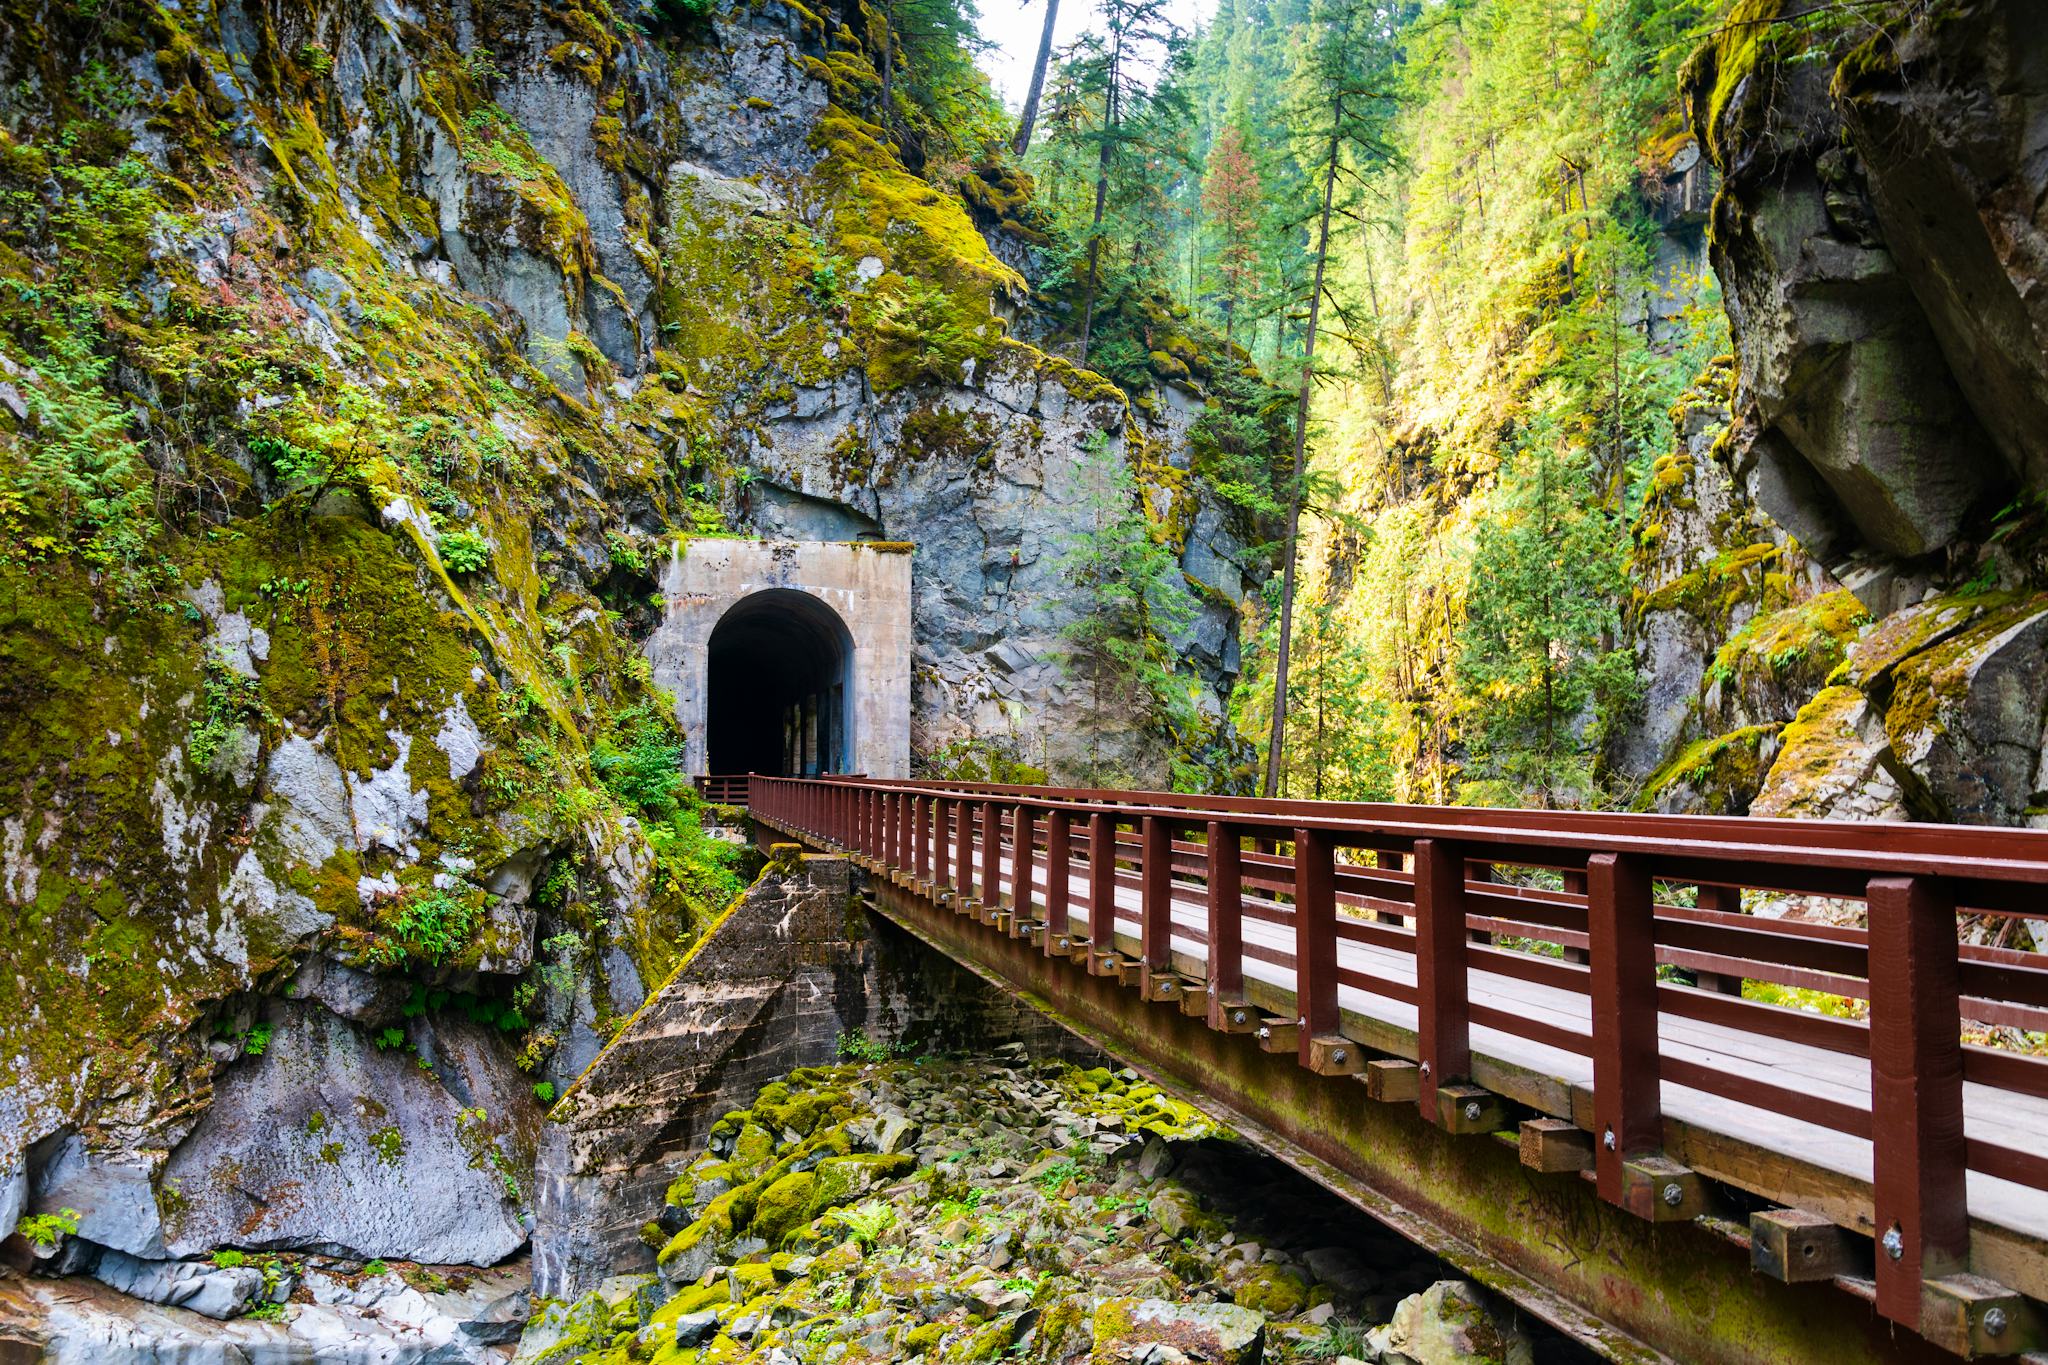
x,y
1522,1036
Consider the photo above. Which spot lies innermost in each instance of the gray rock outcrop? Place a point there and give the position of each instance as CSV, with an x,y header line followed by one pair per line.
x,y
419,1151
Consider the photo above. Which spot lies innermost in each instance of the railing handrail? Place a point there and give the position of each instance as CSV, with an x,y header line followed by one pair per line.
x,y
1989,867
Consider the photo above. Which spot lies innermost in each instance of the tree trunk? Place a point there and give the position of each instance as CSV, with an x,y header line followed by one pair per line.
x,y
1276,745
1021,143
1095,236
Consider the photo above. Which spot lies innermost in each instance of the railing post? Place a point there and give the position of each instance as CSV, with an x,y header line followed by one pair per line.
x,y
1155,913
920,838
991,856
1020,860
963,850
1628,1118
1102,881
1226,919
1315,936
1443,1025
1059,867
1916,1093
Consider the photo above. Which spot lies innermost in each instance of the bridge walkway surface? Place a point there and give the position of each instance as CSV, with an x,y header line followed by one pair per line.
x,y
1570,985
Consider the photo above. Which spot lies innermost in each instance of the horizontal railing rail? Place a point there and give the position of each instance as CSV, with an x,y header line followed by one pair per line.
x,y
1635,922
723,789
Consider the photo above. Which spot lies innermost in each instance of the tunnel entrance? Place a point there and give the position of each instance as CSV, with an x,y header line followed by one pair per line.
x,y
779,683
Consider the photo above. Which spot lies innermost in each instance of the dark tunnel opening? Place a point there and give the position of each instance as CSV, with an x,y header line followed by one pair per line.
x,y
779,687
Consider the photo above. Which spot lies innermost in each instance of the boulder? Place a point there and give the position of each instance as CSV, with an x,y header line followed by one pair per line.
x,y
1450,1323
112,1196
1126,1329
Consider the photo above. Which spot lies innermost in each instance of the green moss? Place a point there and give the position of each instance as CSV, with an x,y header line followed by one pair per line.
x,y
1819,749
1272,1290
783,1206
754,1148
1724,773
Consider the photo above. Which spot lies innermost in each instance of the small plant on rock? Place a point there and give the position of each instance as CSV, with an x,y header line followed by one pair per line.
x,y
43,1229
866,1222
464,552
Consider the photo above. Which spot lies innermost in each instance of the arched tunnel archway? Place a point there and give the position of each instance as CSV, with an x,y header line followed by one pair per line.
x,y
779,684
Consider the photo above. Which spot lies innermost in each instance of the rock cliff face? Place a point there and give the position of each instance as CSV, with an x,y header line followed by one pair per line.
x,y
1877,633
356,360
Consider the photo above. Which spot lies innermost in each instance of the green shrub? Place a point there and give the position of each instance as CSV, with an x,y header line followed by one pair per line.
x,y
428,925
464,552
228,1260
544,1091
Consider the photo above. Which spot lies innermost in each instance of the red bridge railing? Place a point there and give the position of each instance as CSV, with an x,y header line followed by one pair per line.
x,y
723,789
1395,913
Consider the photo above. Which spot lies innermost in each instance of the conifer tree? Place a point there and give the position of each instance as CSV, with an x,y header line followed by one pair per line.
x,y
1231,196
1132,595
1118,70
1534,650
1342,106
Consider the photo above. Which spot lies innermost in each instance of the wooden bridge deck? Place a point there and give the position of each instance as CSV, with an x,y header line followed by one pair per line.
x,y
1582,968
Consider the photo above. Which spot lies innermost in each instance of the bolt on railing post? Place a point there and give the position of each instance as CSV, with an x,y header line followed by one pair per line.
x,y
1226,919
991,856
1021,835
1155,903
1102,881
1443,1026
1059,867
1918,1157
1628,1115
1315,936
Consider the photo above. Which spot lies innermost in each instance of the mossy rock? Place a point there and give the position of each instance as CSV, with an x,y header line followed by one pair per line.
x,y
783,1207
754,1148
1273,1290
844,1179
991,1341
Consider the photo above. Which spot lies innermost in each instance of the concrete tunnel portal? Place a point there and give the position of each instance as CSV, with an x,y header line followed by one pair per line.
x,y
778,678
788,657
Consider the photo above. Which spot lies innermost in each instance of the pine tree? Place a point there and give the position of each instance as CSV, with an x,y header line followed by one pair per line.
x,y
1131,594
1344,104
1534,652
1114,68
1231,197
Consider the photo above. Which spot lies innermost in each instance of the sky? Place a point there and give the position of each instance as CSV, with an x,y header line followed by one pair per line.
x,y
1013,27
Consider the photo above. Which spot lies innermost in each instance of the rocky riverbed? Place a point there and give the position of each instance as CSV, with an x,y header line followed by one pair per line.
x,y
888,1210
